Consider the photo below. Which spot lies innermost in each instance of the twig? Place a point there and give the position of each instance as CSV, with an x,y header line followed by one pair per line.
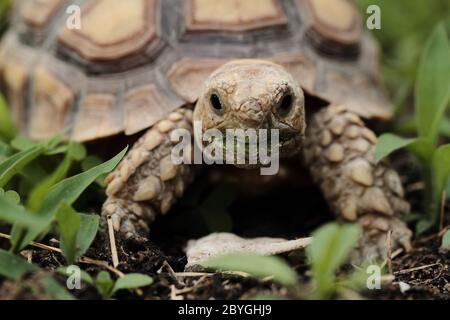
x,y
192,274
82,259
100,263
35,244
112,243
416,268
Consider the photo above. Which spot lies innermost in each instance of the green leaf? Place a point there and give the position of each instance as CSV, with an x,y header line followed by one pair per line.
x,y
441,169
76,151
13,267
71,188
424,225
446,240
432,92
66,191
132,281
54,290
329,249
5,150
7,129
13,213
68,222
39,192
388,143
92,161
84,276
12,165
104,284
86,234
12,196
22,143
256,265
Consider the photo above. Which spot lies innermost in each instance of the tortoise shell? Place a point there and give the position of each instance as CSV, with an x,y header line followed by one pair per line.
x,y
133,62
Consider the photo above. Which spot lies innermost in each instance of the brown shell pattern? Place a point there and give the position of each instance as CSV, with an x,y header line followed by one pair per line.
x,y
133,62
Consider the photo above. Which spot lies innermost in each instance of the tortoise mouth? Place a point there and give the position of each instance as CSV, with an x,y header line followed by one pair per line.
x,y
248,152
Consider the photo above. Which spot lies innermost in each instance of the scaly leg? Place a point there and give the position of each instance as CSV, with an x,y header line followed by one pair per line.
x,y
339,151
147,182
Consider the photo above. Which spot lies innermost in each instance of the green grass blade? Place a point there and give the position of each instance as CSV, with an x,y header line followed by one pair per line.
x,y
256,265
14,267
12,165
68,222
67,191
432,91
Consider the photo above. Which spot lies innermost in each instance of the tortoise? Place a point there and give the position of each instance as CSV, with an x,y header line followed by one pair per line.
x,y
150,67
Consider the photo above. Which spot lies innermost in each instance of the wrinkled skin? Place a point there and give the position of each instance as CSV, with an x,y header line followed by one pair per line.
x,y
254,94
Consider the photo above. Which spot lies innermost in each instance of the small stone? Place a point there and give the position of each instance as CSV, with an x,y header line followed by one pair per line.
x,y
335,153
374,199
165,126
403,286
167,169
361,145
148,189
152,140
175,116
325,138
361,172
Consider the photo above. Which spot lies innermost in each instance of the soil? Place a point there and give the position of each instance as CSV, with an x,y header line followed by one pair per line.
x,y
425,269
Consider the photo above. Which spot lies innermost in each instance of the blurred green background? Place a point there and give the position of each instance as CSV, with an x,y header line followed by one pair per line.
x,y
405,26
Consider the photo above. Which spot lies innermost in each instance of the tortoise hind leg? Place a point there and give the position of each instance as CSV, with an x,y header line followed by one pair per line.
x,y
339,150
147,182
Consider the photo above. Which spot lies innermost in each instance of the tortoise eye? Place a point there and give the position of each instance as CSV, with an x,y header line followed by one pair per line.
x,y
215,102
286,104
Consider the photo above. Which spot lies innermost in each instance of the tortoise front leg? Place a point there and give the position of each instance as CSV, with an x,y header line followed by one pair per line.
x,y
339,151
147,182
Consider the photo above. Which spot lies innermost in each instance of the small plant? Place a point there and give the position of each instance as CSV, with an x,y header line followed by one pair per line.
x,y
39,171
15,268
107,287
432,95
330,248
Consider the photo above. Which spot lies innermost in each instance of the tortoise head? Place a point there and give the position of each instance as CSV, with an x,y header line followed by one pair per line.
x,y
255,95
